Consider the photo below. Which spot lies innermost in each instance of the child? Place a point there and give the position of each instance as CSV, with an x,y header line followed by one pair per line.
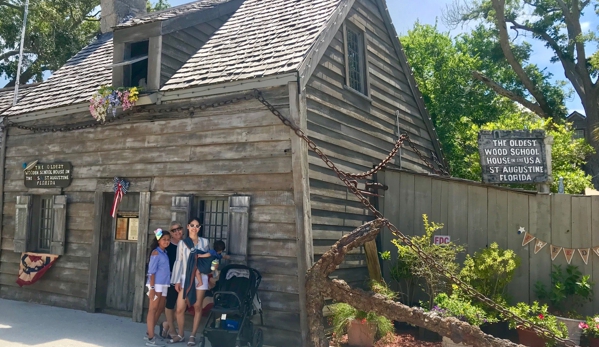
x,y
206,260
159,279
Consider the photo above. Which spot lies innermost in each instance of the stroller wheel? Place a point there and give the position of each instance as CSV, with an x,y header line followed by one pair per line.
x,y
257,340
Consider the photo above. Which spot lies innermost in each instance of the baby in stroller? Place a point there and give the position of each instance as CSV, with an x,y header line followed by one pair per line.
x,y
208,261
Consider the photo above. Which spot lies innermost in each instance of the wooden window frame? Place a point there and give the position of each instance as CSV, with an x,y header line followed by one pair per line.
x,y
28,223
37,224
121,62
363,47
221,201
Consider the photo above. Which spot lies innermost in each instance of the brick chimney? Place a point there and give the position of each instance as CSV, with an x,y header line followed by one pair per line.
x,y
114,11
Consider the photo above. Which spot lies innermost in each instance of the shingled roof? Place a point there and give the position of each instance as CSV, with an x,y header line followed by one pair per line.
x,y
172,12
261,38
75,82
7,95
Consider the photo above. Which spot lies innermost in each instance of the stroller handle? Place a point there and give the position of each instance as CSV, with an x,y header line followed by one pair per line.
x,y
217,294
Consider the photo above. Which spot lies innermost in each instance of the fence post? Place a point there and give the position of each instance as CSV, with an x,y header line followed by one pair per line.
x,y
545,187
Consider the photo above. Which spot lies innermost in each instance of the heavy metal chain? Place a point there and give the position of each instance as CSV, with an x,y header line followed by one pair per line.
x,y
405,239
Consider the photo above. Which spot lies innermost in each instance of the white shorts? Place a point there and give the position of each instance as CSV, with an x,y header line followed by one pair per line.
x,y
204,285
159,288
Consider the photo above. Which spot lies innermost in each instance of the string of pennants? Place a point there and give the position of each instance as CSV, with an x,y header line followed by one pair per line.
x,y
556,250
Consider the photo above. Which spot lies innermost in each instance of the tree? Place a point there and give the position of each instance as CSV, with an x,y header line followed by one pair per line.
x,y
460,105
56,31
557,23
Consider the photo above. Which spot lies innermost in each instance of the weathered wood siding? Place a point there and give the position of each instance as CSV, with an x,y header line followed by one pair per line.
x,y
179,46
357,132
234,149
476,215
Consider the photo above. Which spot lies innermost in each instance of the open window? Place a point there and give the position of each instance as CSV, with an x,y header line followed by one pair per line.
x,y
40,224
134,64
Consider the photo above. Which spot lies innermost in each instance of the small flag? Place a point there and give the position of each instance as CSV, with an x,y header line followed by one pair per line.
x,y
568,253
596,250
584,254
539,245
527,239
555,251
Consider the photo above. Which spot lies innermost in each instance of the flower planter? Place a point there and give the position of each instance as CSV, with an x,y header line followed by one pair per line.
x,y
447,342
530,338
574,331
360,334
593,342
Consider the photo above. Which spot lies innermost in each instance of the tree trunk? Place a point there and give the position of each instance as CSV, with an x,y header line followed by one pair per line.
x,y
318,285
591,110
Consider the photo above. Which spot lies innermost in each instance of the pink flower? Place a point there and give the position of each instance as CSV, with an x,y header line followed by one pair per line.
x,y
583,325
541,316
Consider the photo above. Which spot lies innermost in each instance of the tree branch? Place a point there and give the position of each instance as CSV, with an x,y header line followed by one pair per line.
x,y
8,4
25,77
510,95
504,41
574,31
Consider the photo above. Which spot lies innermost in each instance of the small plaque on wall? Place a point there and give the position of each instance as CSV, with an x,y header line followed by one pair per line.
x,y
50,175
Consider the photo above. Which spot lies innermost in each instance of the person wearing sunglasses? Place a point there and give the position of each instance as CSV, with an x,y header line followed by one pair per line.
x,y
185,283
167,330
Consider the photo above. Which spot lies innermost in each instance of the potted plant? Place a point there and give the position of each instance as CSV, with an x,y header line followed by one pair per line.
x,y
464,310
540,316
428,279
362,328
590,329
569,291
489,271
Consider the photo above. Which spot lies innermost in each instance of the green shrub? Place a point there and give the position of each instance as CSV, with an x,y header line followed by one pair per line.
x,y
569,291
453,306
344,313
539,315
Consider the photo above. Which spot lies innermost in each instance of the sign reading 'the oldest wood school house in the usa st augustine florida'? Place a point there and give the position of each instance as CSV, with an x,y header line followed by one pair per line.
x,y
516,156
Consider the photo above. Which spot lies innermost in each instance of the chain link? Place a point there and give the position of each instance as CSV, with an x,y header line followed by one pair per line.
x,y
345,178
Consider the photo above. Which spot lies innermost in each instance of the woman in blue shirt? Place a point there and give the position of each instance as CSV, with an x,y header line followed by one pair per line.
x,y
159,279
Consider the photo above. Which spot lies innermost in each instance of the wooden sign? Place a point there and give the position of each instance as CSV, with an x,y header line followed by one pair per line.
x,y
49,175
513,156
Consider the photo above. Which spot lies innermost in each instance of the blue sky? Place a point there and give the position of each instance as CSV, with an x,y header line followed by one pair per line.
x,y
405,13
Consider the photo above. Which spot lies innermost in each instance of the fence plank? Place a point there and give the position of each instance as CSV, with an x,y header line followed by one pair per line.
x,y
406,204
561,235
540,226
457,220
595,242
581,238
518,217
439,201
422,202
477,218
497,218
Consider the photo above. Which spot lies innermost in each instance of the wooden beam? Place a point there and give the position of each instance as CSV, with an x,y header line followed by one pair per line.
x,y
138,32
154,62
372,260
4,130
301,197
310,62
95,250
140,262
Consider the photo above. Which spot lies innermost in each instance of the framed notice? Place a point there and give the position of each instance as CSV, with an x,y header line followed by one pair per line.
x,y
127,227
513,156
49,175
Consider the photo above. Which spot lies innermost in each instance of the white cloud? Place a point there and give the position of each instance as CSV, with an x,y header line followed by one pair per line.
x,y
585,26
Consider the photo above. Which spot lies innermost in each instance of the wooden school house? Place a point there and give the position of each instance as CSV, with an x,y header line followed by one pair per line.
x,y
199,143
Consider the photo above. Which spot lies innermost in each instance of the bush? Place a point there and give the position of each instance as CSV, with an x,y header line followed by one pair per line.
x,y
539,315
344,313
453,306
569,290
590,328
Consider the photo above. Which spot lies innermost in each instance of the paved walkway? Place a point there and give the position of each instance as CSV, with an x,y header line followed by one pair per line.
x,y
26,324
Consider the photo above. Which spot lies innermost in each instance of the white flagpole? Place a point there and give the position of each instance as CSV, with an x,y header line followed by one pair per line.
x,y
16,93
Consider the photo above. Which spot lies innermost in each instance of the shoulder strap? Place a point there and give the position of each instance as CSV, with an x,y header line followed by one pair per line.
x,y
189,243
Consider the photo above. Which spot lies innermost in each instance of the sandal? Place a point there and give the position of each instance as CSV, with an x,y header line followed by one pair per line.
x,y
191,341
177,339
163,332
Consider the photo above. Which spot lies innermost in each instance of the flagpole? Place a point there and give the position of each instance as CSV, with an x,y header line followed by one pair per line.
x,y
16,93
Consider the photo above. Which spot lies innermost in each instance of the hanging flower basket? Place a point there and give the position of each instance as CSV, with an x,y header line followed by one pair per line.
x,y
107,99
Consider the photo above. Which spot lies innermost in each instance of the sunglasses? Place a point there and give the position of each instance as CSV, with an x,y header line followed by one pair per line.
x,y
176,229
194,225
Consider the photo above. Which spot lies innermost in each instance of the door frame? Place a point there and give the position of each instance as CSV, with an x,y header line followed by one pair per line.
x,y
137,185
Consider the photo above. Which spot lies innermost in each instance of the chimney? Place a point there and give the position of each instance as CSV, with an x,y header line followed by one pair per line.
x,y
114,11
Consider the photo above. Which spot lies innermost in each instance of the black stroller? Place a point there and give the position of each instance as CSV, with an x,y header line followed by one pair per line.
x,y
235,303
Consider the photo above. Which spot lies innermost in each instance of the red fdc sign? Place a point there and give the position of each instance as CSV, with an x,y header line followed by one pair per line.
x,y
441,239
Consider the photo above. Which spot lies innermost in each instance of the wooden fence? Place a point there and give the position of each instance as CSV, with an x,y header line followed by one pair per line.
x,y
476,215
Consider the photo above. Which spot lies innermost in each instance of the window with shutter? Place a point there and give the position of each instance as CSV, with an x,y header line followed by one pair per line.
x,y
40,224
237,241
59,212
181,210
214,218
22,222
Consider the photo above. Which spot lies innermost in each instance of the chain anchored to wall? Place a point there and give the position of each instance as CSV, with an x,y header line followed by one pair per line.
x,y
345,178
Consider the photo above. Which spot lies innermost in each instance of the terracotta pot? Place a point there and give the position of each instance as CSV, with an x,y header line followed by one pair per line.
x,y
530,338
574,331
360,334
447,342
593,342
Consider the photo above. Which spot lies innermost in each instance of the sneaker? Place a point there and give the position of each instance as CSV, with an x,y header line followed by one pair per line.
x,y
154,342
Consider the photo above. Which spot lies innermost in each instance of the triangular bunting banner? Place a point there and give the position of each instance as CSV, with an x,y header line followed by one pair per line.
x,y
596,250
527,239
568,253
555,251
584,254
539,245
